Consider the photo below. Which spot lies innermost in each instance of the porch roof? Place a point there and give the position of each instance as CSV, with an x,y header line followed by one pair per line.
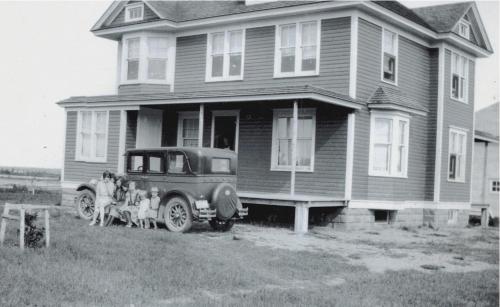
x,y
217,96
387,97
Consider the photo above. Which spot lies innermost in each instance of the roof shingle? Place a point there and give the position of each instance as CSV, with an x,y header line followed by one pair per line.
x,y
393,96
442,18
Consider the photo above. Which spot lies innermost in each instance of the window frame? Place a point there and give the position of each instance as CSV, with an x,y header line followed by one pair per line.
x,y
128,7
180,125
163,166
492,182
226,56
93,138
396,55
468,27
463,132
275,146
129,163
298,50
396,117
466,75
144,56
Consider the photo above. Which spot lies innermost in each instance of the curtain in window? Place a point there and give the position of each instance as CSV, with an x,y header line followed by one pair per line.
x,y
309,35
100,134
217,54
287,48
86,133
382,144
304,141
133,54
190,132
235,49
157,58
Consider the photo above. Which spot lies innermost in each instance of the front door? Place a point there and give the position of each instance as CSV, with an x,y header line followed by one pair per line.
x,y
225,127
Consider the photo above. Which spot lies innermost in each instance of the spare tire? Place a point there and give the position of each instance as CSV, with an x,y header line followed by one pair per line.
x,y
225,201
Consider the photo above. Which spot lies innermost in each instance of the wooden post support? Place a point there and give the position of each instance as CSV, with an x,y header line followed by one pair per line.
x,y
3,225
21,228
484,217
301,219
200,125
47,228
295,127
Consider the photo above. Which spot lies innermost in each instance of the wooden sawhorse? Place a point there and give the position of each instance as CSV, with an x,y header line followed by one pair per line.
x,y
22,210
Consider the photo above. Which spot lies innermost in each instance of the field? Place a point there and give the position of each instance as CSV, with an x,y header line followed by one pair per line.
x,y
251,266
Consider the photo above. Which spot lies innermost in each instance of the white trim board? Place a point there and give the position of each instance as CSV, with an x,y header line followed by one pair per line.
x,y
351,129
353,68
439,126
408,204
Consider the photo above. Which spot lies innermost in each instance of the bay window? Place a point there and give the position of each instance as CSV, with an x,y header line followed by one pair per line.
x,y
281,157
145,58
225,55
456,155
389,138
91,143
297,49
459,77
389,56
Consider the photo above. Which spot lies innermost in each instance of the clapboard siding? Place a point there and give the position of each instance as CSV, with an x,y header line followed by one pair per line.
x,y
83,171
461,115
259,60
414,80
149,15
130,89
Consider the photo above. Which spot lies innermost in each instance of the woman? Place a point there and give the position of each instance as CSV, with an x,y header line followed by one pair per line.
x,y
118,201
104,193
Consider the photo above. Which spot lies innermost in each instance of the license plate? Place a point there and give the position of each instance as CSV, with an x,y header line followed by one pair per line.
x,y
201,204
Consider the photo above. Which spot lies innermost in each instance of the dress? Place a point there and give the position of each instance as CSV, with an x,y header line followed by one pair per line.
x,y
153,208
104,193
131,205
143,209
118,201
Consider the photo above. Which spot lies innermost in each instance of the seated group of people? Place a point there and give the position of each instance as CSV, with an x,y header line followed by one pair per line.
x,y
121,200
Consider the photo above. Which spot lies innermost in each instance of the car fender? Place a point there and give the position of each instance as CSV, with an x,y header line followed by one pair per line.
x,y
86,186
182,193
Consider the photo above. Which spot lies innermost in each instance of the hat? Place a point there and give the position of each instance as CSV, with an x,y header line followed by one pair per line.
x,y
154,189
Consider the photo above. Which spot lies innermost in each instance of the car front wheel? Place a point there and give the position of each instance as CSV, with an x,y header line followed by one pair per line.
x,y
178,217
85,204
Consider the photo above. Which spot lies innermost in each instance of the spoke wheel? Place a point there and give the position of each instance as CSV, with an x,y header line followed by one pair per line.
x,y
85,204
178,217
220,225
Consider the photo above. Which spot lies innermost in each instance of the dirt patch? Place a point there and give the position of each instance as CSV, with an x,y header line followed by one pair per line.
x,y
388,249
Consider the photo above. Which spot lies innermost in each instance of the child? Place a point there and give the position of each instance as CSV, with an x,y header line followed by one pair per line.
x,y
143,209
104,194
153,209
131,206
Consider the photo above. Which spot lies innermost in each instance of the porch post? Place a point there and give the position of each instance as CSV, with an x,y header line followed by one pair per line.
x,y
200,125
122,141
294,146
301,218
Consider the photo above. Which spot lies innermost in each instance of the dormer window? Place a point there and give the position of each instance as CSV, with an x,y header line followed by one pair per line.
x,y
389,56
464,29
134,12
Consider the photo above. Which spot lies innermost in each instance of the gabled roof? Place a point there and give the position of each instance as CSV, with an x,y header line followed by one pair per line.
x,y
216,96
388,97
443,18
403,11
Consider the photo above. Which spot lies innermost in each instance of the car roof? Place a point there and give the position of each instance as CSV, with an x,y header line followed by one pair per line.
x,y
201,151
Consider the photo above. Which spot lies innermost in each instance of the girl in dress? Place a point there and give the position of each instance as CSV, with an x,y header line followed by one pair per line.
x,y
152,213
118,201
104,192
144,204
131,206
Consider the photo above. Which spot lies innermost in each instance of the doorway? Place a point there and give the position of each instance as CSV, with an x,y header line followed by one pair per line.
x,y
225,129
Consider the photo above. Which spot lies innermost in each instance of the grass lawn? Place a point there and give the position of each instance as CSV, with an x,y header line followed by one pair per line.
x,y
250,266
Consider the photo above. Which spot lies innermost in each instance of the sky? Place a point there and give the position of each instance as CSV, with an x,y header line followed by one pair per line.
x,y
48,54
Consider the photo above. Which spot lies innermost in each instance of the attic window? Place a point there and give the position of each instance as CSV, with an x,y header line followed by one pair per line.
x,y
464,29
134,12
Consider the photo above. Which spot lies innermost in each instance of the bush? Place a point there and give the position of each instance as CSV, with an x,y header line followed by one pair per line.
x,y
33,234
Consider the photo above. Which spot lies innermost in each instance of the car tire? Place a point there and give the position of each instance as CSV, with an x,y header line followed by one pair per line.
x,y
178,216
85,204
219,225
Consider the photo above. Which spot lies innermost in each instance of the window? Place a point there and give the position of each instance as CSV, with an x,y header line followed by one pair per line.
x,y
389,137
177,163
92,136
225,55
145,58
156,165
495,186
297,49
134,12
389,56
187,133
220,165
464,29
459,77
456,155
282,140
135,163
384,216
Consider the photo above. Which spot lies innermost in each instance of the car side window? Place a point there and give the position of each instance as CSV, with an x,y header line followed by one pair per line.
x,y
177,163
156,164
135,163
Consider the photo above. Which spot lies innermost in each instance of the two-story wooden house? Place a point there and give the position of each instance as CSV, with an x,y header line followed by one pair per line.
x,y
362,105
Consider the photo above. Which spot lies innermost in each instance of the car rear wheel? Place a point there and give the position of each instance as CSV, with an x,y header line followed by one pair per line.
x,y
85,204
178,217
219,225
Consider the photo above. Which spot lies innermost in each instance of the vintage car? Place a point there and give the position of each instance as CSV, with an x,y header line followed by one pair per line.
x,y
196,184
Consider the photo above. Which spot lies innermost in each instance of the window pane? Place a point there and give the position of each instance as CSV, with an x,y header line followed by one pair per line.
x,y
190,143
217,65
86,117
452,166
454,86
389,42
157,47
155,165
133,48
100,145
402,132
462,88
177,163
157,69
133,69
135,12
383,130
190,128
235,64
136,164
284,127
287,36
288,60
284,152
235,41
389,67
309,34
220,165
100,122
85,150
305,128
304,152
217,43
309,58
381,157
